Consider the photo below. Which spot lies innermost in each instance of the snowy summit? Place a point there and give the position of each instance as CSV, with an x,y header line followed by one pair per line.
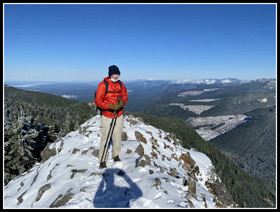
x,y
154,172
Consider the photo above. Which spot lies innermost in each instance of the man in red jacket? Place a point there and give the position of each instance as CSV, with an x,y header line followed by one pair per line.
x,y
114,100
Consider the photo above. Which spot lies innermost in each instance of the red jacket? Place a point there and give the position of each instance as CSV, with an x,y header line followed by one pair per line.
x,y
103,101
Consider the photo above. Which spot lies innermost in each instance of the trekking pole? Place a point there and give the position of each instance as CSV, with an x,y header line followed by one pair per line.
x,y
108,136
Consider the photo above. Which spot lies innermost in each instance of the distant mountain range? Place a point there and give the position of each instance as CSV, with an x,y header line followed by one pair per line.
x,y
212,81
142,93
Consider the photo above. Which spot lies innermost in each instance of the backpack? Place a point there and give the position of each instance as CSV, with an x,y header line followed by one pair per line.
x,y
98,109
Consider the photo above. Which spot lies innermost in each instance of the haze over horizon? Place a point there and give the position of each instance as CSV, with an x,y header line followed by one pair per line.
x,y
78,42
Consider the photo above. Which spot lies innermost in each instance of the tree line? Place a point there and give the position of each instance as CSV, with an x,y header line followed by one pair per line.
x,y
30,124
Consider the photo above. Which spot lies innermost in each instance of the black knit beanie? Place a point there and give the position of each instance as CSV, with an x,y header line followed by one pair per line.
x,y
113,70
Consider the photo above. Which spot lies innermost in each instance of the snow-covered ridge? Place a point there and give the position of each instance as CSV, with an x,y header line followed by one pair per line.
x,y
154,172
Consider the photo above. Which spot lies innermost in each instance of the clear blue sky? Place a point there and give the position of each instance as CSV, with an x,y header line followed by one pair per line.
x,y
78,42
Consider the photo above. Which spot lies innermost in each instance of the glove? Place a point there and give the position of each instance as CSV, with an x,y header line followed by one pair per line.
x,y
121,103
114,106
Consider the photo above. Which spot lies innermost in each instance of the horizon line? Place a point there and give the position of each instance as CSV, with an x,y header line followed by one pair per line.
x,y
149,79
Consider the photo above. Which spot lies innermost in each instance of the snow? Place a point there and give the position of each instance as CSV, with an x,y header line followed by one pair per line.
x,y
70,96
208,81
212,126
74,177
190,93
204,100
196,93
198,109
264,100
226,81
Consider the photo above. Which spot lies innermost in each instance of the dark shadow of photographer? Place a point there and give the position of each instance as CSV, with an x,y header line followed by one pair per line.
x,y
109,195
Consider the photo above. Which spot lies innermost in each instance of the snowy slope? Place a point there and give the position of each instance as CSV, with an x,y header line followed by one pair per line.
x,y
154,172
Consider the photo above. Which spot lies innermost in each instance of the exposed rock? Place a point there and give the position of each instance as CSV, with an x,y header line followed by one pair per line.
x,y
85,152
190,202
75,150
62,199
95,153
153,141
193,173
173,136
174,156
153,154
140,137
218,189
35,178
128,151
190,195
150,133
173,172
21,185
50,174
133,121
124,136
204,199
74,171
184,181
143,162
161,169
47,153
167,179
140,150
191,186
158,183
188,160
42,190
20,200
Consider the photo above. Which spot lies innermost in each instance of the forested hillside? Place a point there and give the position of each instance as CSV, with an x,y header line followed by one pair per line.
x,y
253,144
223,99
31,120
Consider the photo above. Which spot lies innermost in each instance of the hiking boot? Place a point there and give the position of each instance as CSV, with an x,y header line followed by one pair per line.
x,y
116,159
102,165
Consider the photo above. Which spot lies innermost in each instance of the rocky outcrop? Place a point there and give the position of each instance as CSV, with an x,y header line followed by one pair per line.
x,y
47,153
140,137
144,159
62,199
222,197
124,136
42,190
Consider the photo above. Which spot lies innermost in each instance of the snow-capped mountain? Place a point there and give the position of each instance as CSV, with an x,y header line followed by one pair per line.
x,y
210,81
154,172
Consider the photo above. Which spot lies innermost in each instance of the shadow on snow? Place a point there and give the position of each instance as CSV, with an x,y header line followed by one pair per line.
x,y
110,195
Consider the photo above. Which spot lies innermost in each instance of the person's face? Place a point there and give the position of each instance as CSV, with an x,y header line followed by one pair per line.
x,y
115,76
